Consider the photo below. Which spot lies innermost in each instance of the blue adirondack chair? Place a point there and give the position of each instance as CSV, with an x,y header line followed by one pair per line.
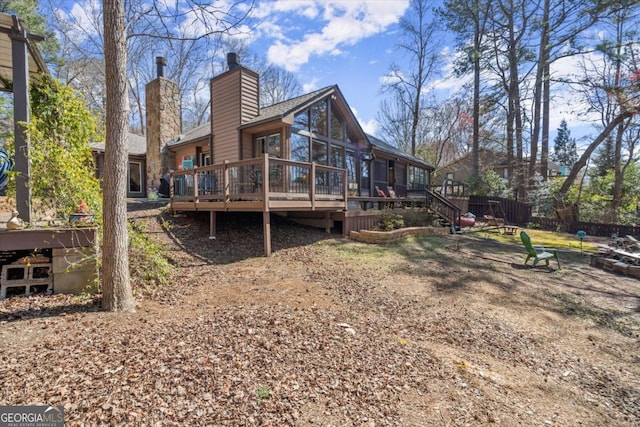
x,y
536,252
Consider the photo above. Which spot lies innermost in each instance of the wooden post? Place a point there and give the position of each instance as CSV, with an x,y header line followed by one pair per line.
x,y
225,183
20,58
327,218
266,215
312,186
345,179
266,226
212,224
196,194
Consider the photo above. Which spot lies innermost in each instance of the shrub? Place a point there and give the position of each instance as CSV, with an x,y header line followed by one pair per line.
x,y
390,221
148,267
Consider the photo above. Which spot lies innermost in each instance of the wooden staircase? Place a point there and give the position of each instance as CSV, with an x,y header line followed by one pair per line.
x,y
448,213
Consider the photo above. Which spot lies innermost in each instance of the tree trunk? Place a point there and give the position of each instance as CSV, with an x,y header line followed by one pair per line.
x,y
117,295
616,200
475,145
546,106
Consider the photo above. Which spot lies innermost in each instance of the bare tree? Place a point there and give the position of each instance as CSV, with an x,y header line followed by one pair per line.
x,y
421,46
277,85
606,76
195,36
116,288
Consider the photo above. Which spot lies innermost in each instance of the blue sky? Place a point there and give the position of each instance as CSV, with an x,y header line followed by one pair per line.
x,y
352,43
349,43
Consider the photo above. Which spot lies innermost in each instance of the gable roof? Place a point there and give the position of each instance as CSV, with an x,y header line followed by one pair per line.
x,y
284,108
394,151
193,134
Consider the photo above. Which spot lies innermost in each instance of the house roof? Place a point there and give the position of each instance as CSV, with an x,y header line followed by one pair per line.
x,y
136,145
198,132
284,108
11,26
394,151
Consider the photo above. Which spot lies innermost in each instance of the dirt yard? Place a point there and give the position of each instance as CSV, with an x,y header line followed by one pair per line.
x,y
328,332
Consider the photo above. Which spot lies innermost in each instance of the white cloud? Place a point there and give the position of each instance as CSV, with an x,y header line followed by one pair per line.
x,y
310,86
370,127
336,24
83,21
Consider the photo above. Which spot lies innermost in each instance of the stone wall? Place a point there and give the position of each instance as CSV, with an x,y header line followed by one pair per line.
x,y
163,124
370,236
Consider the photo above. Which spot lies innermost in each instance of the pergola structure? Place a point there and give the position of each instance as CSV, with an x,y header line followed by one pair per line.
x,y
20,59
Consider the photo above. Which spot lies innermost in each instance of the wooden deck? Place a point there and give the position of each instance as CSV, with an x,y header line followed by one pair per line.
x,y
289,188
243,186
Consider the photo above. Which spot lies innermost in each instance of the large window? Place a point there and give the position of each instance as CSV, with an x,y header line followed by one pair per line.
x,y
401,174
417,178
319,152
319,119
299,147
135,177
337,127
380,172
267,144
337,156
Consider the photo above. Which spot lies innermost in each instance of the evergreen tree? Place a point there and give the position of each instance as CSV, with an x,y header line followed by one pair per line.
x,y
604,159
564,150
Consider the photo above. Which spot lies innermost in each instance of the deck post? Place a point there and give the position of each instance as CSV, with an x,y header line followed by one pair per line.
x,y
312,186
266,226
196,193
266,215
225,183
327,218
212,224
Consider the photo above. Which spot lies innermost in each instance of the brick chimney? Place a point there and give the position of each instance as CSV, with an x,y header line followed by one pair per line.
x,y
234,101
163,123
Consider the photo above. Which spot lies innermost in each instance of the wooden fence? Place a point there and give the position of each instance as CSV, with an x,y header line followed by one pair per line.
x,y
516,213
592,228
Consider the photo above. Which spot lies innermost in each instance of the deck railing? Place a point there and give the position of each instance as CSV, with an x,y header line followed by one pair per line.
x,y
245,180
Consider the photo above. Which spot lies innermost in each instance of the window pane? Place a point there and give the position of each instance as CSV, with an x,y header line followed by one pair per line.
x,y
273,145
337,127
319,118
351,166
301,120
337,156
319,152
401,174
135,177
380,171
299,148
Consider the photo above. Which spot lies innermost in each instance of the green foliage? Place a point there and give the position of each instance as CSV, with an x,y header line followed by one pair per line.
x,y
62,166
416,217
489,183
604,159
564,149
35,22
390,220
596,200
263,393
148,267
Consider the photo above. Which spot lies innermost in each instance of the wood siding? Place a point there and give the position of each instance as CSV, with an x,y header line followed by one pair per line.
x,y
249,95
234,100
